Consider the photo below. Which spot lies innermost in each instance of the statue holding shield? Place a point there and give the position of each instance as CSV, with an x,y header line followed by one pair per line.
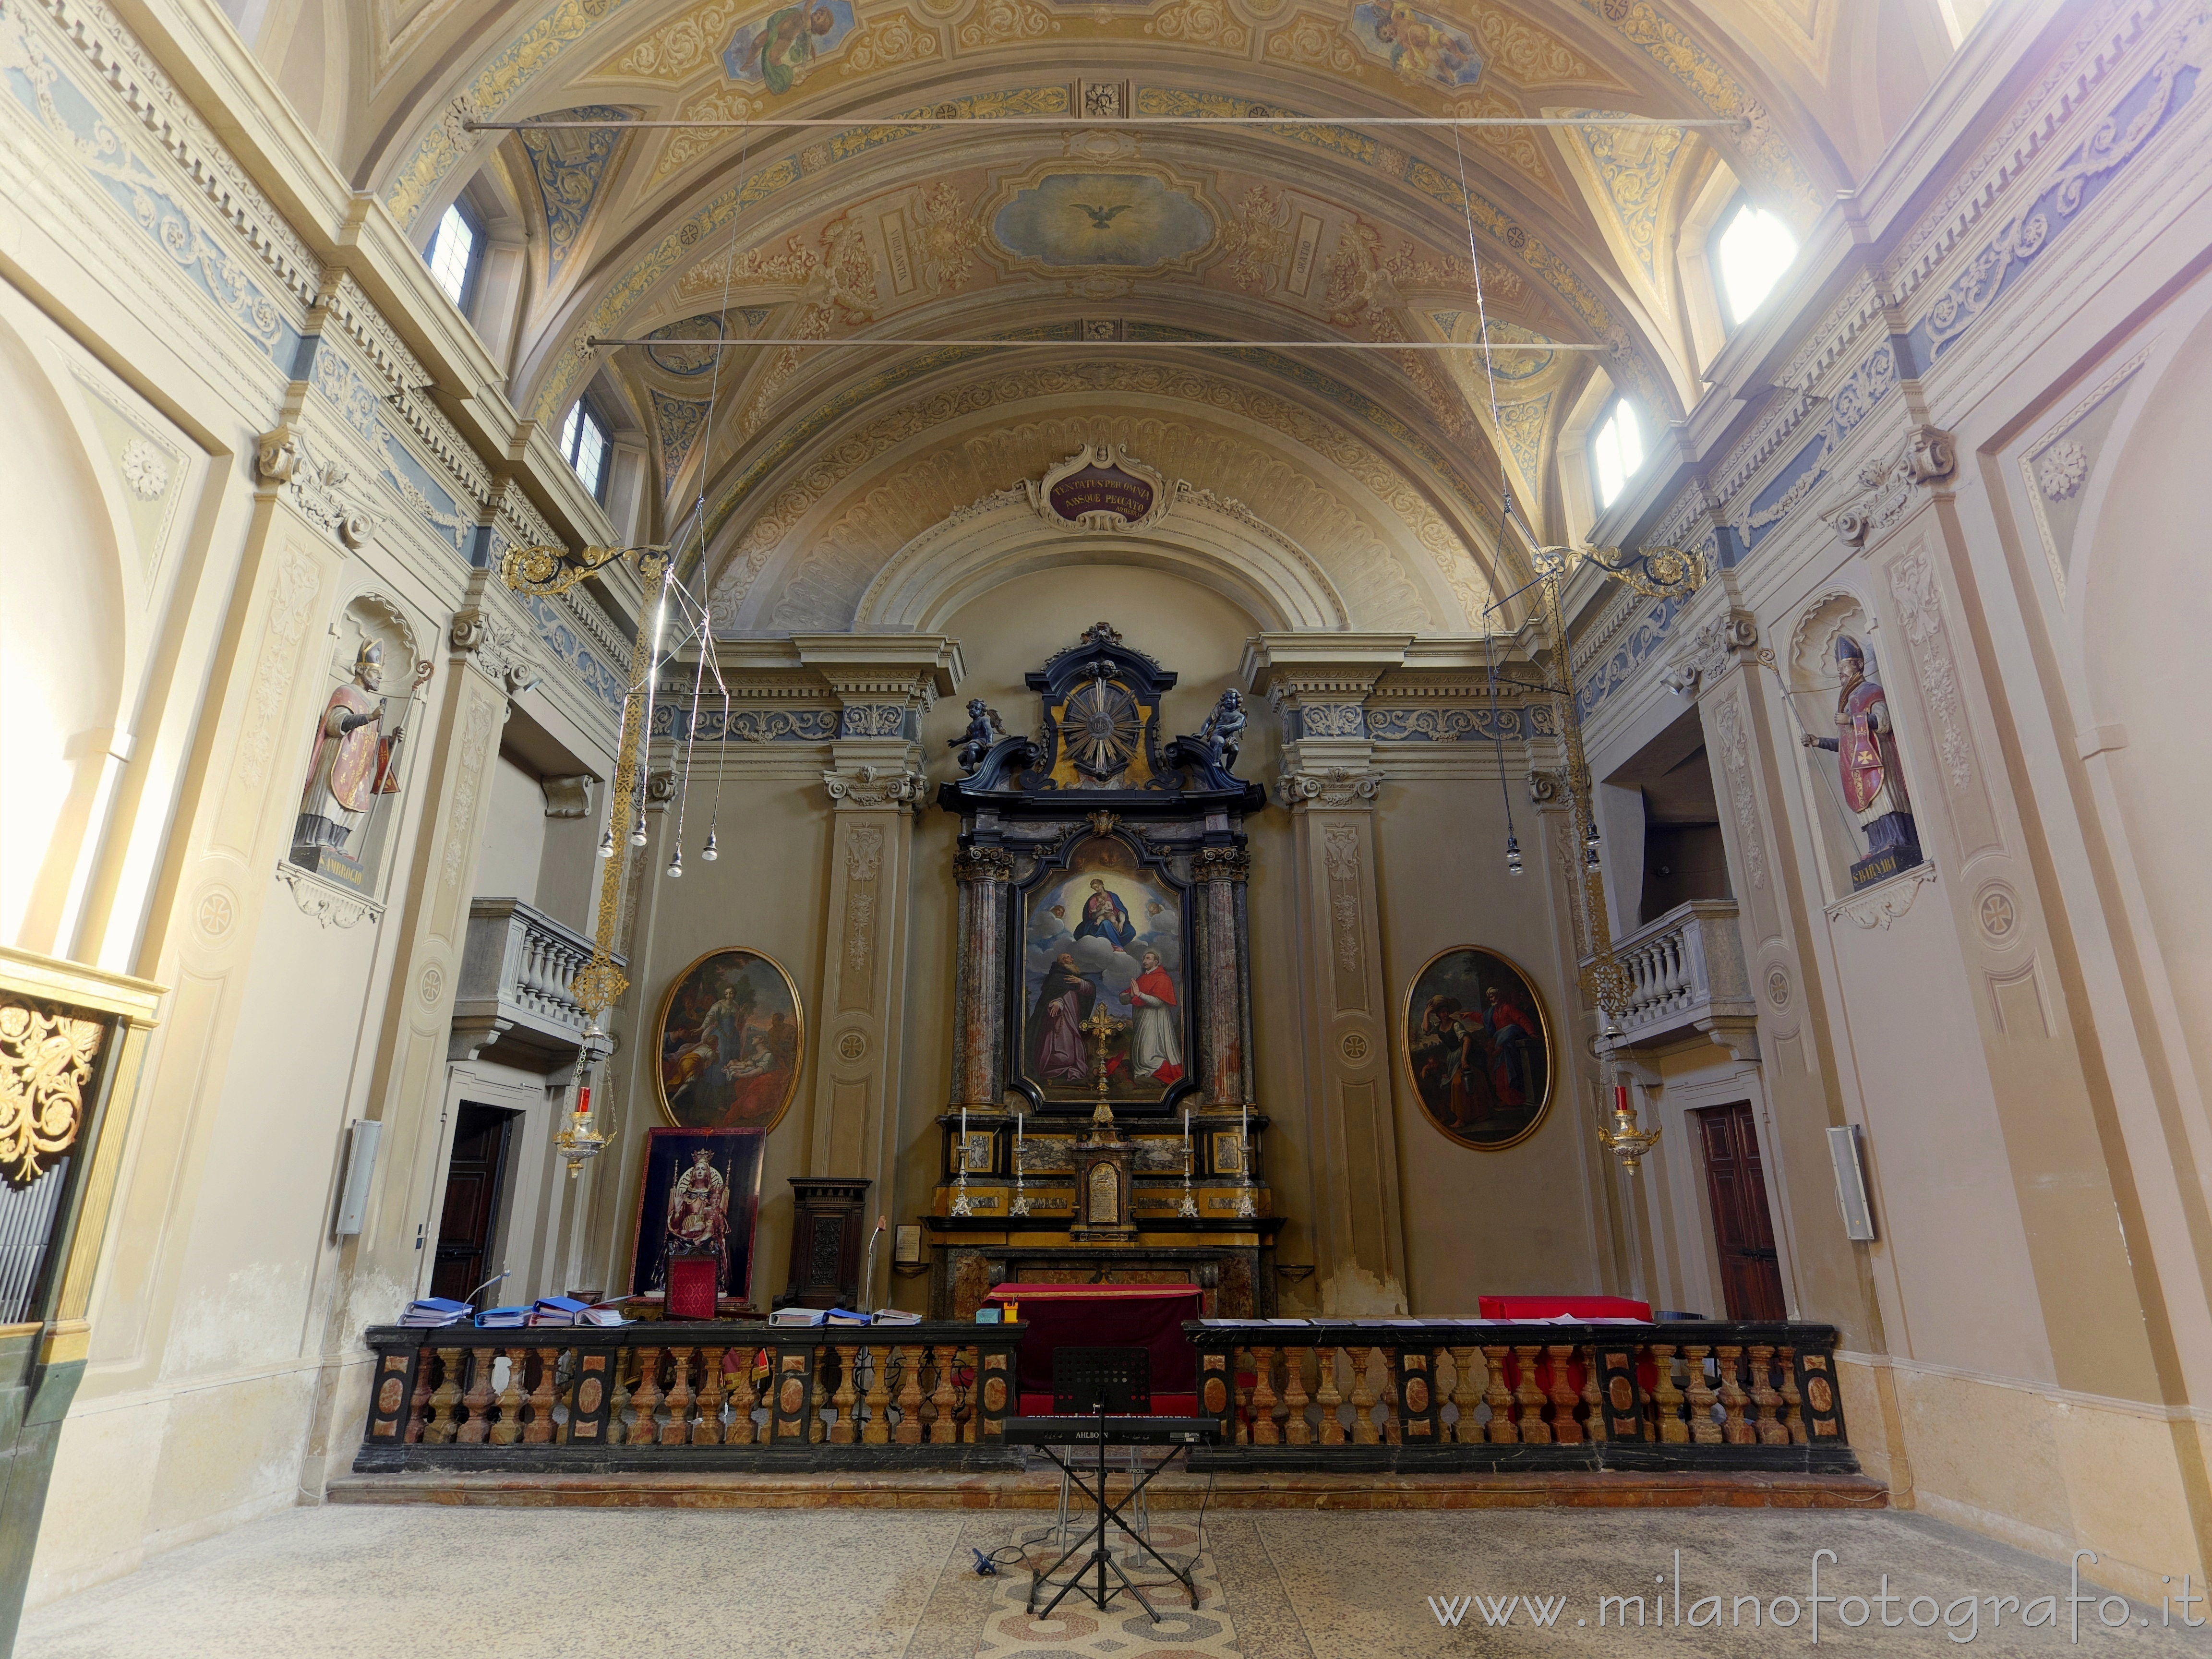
x,y
1865,746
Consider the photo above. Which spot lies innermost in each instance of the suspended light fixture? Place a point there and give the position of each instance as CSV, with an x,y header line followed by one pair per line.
x,y
1512,855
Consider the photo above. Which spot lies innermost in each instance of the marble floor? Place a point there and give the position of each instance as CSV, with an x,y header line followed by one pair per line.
x,y
458,1583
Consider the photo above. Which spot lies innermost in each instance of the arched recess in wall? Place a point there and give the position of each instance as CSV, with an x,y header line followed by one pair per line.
x,y
2141,588
1232,553
63,648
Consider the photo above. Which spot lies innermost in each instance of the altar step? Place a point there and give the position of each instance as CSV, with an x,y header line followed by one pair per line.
x,y
1040,1490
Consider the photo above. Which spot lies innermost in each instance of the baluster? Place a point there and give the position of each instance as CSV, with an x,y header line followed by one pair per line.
x,y
819,1398
742,1426
1393,1420
1326,1396
1263,1398
1363,1371
1666,1398
970,1395
1467,1432
645,1399
1735,1430
509,1429
478,1399
1770,1432
707,1431
1530,1398
1565,1430
418,1408
1594,1419
943,1430
1296,1430
1793,1418
844,1431
540,1430
879,1402
1703,1430
447,1395
909,1397
677,1430
618,1402
1502,1431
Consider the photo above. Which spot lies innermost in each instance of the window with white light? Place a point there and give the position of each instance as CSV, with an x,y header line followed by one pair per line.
x,y
586,445
1616,452
1750,250
453,255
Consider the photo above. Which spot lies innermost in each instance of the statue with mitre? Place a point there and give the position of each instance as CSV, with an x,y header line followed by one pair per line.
x,y
1865,746
353,764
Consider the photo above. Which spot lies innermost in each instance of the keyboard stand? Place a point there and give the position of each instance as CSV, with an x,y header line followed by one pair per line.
x,y
1101,1558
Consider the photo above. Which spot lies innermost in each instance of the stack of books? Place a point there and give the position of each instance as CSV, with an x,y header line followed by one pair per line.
x,y
896,1317
602,1313
558,1310
798,1316
504,1319
845,1316
434,1311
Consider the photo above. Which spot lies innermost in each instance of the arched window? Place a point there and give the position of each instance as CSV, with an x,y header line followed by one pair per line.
x,y
1616,452
1750,250
456,254
585,445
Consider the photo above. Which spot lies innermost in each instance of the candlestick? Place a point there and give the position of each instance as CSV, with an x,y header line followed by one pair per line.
x,y
1188,1206
960,1206
1021,1204
1244,1158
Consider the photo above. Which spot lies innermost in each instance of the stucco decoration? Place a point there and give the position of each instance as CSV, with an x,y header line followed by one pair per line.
x,y
829,539
570,166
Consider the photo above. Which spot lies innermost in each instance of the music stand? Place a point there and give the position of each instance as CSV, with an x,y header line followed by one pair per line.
x,y
1091,1382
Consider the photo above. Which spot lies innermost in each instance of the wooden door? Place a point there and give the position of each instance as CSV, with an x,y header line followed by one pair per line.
x,y
475,1179
1743,1231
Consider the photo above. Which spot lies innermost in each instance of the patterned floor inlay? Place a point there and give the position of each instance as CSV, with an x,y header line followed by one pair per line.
x,y
336,1584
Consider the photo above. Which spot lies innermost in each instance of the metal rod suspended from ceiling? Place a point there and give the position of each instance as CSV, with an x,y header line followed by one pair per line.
x,y
1062,121
769,344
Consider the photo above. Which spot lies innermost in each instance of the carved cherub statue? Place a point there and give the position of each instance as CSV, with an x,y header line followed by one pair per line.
x,y
1223,730
984,729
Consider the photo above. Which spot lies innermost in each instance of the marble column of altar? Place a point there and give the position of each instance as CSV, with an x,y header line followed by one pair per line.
x,y
1223,1052
979,1013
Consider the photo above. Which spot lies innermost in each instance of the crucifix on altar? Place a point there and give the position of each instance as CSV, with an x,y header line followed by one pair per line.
x,y
1103,1029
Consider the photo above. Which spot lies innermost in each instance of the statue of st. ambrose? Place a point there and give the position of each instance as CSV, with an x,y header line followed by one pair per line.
x,y
353,763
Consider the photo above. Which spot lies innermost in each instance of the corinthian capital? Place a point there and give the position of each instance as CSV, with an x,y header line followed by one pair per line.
x,y
868,786
1336,786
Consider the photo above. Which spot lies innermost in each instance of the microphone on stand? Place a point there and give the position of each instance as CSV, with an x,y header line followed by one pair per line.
x,y
486,1286
868,1278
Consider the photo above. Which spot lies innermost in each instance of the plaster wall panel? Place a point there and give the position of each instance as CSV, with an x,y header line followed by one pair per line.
x,y
514,835
1514,1222
1950,1217
249,1269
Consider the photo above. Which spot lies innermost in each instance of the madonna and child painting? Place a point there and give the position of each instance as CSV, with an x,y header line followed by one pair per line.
x,y
1104,933
1479,1048
729,1043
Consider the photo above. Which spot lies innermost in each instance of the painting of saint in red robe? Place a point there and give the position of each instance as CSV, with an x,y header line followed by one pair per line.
x,y
1478,1049
729,1043
1156,1046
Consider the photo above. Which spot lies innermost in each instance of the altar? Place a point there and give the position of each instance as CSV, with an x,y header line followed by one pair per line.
x,y
1101,1128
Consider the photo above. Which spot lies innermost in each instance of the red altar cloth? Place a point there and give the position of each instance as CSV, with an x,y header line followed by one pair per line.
x,y
1148,1317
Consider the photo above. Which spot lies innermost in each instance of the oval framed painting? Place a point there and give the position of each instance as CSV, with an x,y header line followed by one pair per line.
x,y
1479,1047
727,1044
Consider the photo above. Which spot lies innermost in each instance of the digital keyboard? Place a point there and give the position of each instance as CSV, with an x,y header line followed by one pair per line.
x,y
1116,1430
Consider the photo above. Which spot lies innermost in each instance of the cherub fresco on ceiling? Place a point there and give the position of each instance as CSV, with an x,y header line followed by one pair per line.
x,y
778,51
1418,47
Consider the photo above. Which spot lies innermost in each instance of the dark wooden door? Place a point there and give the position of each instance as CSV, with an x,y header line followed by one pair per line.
x,y
476,1180
1751,1270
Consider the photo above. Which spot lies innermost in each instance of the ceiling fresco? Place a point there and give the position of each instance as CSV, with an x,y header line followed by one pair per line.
x,y
792,241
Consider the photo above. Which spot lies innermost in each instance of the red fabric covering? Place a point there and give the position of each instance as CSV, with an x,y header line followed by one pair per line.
x,y
1109,1317
692,1286
1552,1307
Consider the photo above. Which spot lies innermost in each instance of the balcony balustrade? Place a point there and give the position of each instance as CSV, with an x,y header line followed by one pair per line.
x,y
1687,977
516,971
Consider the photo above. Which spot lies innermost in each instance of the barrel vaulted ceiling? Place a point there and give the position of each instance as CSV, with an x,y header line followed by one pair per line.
x,y
812,468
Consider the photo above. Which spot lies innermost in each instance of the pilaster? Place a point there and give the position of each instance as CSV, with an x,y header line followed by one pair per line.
x,y
1319,688
875,787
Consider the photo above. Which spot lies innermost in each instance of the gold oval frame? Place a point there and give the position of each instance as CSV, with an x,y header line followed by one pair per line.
x,y
1405,1036
660,1031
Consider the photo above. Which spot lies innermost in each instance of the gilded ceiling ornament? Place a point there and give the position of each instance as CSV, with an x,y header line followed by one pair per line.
x,y
45,1061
